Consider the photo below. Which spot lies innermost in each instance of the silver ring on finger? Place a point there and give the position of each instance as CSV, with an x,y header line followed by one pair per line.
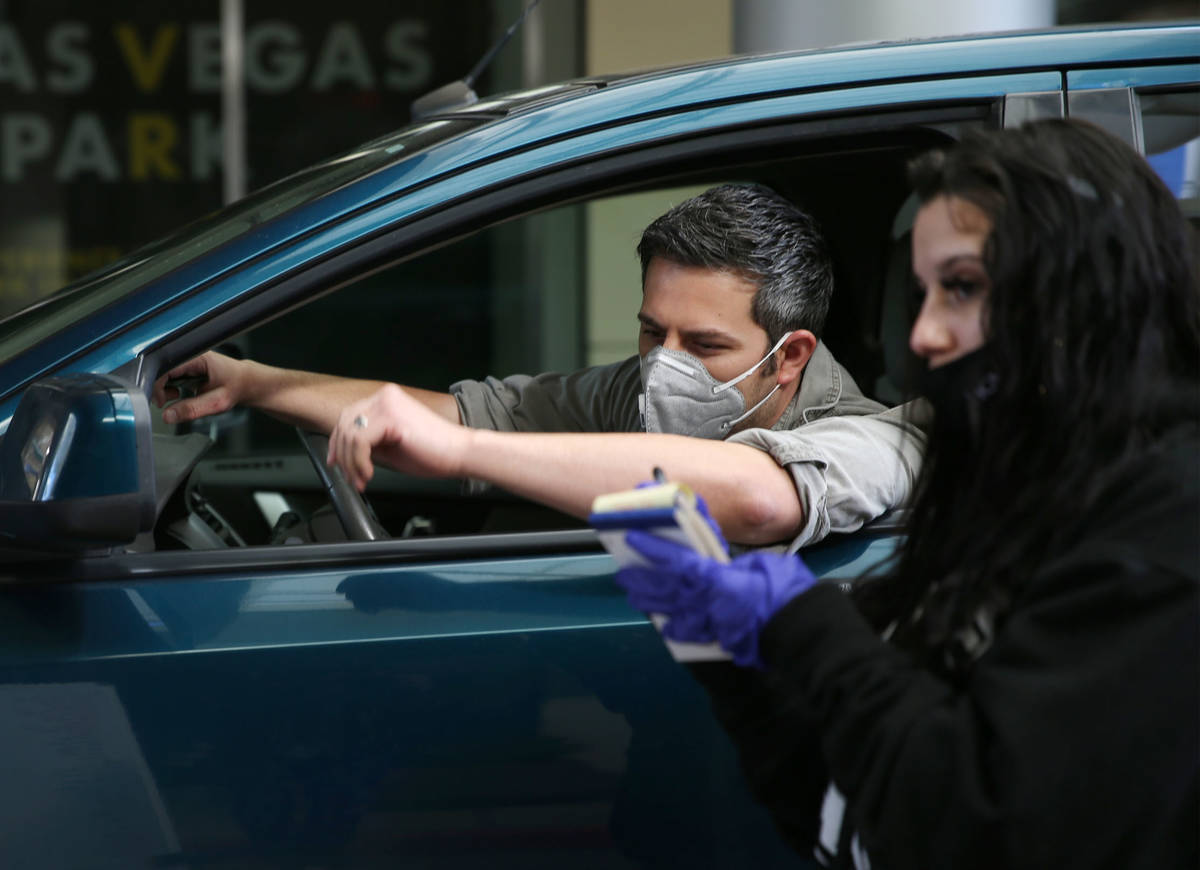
x,y
360,422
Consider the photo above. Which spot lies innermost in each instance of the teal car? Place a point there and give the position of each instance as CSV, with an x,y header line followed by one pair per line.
x,y
215,654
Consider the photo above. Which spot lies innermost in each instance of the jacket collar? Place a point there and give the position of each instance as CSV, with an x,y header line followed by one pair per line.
x,y
821,387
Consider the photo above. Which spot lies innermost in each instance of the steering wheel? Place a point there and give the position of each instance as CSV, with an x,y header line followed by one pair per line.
x,y
349,505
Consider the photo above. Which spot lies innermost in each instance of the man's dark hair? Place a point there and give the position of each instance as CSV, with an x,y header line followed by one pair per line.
x,y
755,233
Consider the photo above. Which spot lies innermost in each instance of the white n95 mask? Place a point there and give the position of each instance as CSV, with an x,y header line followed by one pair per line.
x,y
680,397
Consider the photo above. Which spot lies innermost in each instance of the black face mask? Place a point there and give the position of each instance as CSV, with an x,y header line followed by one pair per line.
x,y
958,390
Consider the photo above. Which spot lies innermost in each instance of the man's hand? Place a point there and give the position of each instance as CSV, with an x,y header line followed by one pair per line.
x,y
399,431
222,384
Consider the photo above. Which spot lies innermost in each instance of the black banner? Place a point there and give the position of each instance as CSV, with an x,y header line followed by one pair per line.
x,y
111,123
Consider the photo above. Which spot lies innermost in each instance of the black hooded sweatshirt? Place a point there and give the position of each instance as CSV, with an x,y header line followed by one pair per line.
x,y
1073,741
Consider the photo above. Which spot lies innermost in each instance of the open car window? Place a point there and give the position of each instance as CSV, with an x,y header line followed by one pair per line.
x,y
517,297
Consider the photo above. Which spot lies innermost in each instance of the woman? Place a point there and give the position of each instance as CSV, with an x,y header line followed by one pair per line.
x,y
1024,690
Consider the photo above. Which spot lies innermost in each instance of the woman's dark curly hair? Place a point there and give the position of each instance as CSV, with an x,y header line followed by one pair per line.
x,y
1093,327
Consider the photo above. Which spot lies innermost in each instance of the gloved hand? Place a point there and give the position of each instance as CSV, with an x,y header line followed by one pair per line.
x,y
705,599
657,593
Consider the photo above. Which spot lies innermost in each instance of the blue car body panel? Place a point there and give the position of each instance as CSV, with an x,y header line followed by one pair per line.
x,y
510,712
224,611
373,704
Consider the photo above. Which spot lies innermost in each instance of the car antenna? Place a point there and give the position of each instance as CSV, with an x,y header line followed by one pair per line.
x,y
459,93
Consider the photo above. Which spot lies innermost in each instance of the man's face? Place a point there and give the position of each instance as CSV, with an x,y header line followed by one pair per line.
x,y
706,313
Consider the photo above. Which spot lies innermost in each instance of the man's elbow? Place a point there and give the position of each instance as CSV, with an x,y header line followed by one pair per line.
x,y
764,515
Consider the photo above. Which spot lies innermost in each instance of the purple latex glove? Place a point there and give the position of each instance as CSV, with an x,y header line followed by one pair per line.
x,y
680,593
707,600
653,591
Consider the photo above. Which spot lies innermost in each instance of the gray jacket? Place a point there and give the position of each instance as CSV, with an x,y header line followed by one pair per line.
x,y
851,458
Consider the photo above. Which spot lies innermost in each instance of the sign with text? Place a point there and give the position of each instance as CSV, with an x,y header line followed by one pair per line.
x,y
111,114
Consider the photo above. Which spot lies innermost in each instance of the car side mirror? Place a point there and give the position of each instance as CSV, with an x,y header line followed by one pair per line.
x,y
76,471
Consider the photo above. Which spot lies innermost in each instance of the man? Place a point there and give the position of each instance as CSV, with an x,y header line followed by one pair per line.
x,y
731,392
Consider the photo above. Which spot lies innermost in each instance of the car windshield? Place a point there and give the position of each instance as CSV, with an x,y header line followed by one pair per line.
x,y
31,325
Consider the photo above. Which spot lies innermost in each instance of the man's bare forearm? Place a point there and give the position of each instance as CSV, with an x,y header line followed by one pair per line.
x,y
306,399
313,401
751,497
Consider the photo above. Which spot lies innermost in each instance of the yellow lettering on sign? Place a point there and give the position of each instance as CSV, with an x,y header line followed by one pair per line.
x,y
147,67
152,138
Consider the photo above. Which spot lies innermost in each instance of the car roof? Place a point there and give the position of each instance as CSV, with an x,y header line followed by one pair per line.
x,y
858,62
526,119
